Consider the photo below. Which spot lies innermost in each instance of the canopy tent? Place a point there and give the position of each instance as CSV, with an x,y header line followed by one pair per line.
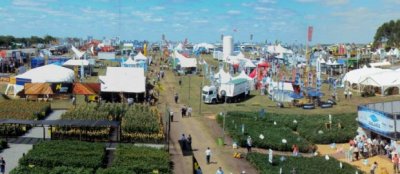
x,y
222,76
86,88
206,46
129,63
359,75
380,64
185,62
281,91
236,58
279,50
243,75
48,73
76,62
123,79
179,47
38,89
383,80
78,54
139,57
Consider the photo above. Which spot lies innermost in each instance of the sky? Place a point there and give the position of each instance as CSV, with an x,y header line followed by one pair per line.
x,y
334,21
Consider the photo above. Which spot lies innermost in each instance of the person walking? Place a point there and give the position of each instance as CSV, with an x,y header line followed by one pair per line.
x,y
180,81
208,155
295,150
395,161
171,115
189,140
2,165
249,143
176,97
189,111
373,167
220,171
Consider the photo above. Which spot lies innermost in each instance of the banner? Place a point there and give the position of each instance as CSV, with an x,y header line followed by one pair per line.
x,y
376,121
20,81
310,31
61,88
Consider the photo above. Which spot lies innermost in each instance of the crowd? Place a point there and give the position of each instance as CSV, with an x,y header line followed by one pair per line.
x,y
363,147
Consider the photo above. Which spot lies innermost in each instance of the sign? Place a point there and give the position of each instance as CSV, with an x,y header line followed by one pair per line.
x,y
376,121
310,31
60,88
270,155
22,82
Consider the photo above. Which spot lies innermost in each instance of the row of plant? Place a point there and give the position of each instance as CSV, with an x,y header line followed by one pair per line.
x,y
18,109
139,123
280,132
313,165
76,157
134,159
55,153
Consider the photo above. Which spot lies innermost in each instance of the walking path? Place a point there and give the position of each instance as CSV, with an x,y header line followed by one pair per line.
x,y
12,154
202,137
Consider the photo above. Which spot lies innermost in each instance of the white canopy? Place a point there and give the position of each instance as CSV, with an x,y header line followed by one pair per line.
x,y
140,56
383,79
222,76
185,62
179,47
48,73
203,45
380,64
76,62
123,79
129,62
243,75
78,54
359,75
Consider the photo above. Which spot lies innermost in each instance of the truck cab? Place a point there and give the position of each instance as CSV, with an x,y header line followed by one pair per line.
x,y
209,94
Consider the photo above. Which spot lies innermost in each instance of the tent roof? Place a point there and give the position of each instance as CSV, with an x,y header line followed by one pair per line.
x,y
86,88
225,77
37,88
123,79
383,79
140,56
129,62
359,75
48,73
243,75
185,62
76,62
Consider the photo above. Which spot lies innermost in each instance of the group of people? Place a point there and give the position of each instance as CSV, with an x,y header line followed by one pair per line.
x,y
364,147
186,111
186,142
348,94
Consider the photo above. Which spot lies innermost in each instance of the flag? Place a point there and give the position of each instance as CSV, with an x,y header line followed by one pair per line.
x,y
310,31
309,79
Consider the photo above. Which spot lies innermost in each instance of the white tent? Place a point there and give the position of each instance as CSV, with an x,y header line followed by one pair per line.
x,y
185,62
129,62
44,74
78,54
207,46
140,56
384,80
359,75
243,75
179,47
123,79
380,64
278,49
76,62
222,76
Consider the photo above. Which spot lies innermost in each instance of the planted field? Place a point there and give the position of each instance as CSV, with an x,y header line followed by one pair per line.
x,y
139,123
69,155
303,130
18,109
133,159
314,165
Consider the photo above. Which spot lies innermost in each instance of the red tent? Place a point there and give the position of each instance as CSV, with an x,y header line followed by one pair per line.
x,y
3,53
263,64
253,73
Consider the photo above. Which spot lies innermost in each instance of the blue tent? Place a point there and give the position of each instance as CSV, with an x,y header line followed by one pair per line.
x,y
296,96
314,93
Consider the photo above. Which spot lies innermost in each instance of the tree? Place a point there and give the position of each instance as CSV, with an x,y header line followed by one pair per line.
x,y
48,39
389,34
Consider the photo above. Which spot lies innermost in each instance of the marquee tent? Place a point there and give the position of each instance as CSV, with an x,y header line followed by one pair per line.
x,y
222,76
354,77
243,75
380,64
48,73
140,56
76,62
123,79
185,62
383,80
129,63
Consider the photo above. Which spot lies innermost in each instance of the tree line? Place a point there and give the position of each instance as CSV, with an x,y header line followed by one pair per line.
x,y
9,41
388,34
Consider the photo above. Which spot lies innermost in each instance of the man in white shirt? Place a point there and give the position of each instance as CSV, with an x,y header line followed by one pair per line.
x,y
208,155
220,171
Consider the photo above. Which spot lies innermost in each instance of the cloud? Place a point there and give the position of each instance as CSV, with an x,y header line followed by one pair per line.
x,y
183,13
326,2
267,1
147,17
263,9
200,21
157,8
28,3
233,12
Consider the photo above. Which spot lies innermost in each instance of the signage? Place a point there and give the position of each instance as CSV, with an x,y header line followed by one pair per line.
x,y
310,31
376,121
22,82
270,155
60,88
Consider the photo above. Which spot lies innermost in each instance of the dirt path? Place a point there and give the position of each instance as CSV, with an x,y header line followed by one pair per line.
x,y
202,136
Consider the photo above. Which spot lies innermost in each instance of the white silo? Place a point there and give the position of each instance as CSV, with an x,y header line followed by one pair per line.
x,y
227,46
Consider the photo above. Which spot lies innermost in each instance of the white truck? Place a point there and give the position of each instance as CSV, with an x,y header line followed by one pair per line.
x,y
232,91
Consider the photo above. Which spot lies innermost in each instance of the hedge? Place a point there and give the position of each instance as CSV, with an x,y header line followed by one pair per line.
x,y
314,165
309,129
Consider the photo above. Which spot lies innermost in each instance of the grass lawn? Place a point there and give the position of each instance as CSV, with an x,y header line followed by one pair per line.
x,y
257,101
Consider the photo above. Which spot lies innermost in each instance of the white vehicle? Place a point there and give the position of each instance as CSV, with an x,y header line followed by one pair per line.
x,y
232,91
